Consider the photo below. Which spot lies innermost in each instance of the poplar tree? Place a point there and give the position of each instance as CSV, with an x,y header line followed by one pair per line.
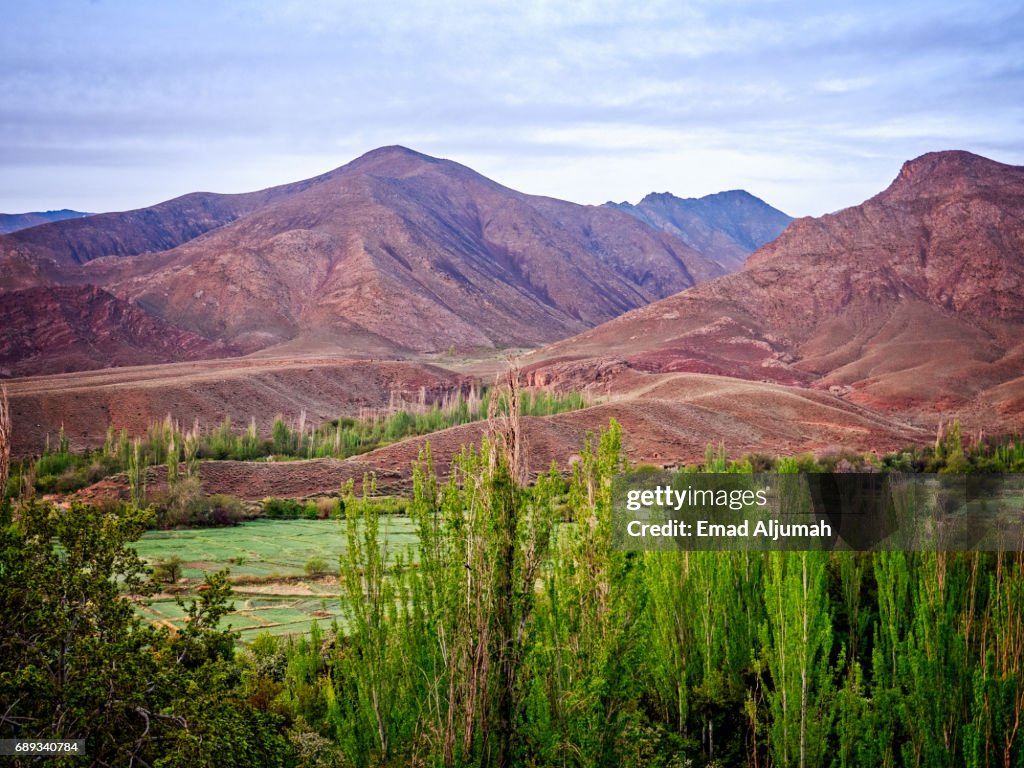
x,y
797,640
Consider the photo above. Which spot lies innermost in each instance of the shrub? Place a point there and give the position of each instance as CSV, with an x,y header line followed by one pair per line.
x,y
184,505
328,508
218,510
167,570
316,566
282,509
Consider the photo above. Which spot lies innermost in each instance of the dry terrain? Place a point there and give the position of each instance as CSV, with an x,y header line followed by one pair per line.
x,y
667,419
910,304
86,403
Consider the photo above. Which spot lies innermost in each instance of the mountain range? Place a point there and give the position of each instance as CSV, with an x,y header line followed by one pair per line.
x,y
911,301
394,253
860,329
727,226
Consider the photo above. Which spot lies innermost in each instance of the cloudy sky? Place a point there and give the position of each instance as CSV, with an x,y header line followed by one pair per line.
x,y
116,104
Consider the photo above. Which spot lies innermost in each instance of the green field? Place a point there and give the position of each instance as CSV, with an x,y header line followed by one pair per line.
x,y
266,559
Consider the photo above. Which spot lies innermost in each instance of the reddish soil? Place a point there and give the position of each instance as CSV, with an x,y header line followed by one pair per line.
x,y
666,419
132,398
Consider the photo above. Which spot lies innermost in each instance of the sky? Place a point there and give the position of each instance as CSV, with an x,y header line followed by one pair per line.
x,y
119,104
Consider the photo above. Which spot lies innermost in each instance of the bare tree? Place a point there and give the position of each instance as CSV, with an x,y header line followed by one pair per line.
x,y
5,440
506,431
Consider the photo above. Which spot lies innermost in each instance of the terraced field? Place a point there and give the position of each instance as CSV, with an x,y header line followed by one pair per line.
x,y
266,560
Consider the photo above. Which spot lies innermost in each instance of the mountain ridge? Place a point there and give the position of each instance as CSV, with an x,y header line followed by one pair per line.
x,y
727,226
909,302
13,222
393,253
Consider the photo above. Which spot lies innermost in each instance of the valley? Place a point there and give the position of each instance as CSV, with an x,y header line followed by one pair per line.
x,y
402,280
290,413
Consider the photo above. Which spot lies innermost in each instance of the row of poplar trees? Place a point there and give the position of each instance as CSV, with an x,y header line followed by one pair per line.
x,y
514,634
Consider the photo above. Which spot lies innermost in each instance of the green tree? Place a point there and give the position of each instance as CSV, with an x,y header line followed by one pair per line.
x,y
797,640
76,662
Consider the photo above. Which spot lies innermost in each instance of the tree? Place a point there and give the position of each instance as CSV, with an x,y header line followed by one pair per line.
x,y
5,440
5,453
76,661
797,641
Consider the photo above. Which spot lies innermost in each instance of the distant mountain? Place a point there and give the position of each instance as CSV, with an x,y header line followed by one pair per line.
x,y
726,227
392,253
12,222
912,302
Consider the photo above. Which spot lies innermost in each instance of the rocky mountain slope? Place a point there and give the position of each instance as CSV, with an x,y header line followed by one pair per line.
x,y
393,253
727,226
911,302
70,328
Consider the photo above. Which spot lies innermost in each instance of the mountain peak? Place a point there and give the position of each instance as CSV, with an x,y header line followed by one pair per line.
x,y
736,196
938,173
392,150
394,157
726,226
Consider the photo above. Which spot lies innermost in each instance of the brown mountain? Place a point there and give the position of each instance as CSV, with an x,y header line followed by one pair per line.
x,y
912,302
391,253
727,226
158,228
69,328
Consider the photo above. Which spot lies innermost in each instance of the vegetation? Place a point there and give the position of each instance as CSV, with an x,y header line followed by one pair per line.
x,y
61,470
5,454
183,505
509,631
167,570
510,645
79,664
953,452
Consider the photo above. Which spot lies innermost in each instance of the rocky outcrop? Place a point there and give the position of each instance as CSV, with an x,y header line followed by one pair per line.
x,y
59,329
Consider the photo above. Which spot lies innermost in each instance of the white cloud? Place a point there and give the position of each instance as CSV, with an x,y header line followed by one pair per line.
x,y
595,100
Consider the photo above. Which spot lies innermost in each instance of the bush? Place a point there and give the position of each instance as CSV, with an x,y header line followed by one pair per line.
x,y
316,566
328,508
282,509
218,510
184,505
167,570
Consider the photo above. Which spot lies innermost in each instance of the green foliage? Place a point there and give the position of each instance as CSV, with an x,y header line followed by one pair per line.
x,y
78,663
59,470
184,505
954,452
315,567
283,509
797,643
167,570
801,658
511,632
